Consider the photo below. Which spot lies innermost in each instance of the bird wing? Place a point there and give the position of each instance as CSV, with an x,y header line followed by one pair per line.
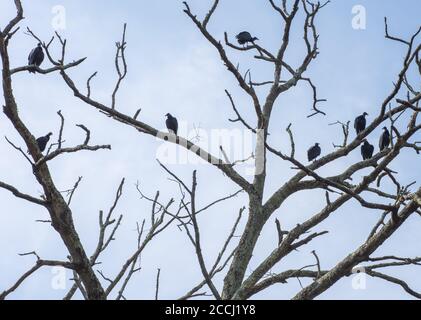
x,y
172,124
244,34
356,123
38,56
310,153
30,57
383,139
176,125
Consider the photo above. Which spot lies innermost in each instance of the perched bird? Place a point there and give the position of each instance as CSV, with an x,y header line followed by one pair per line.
x,y
172,123
367,150
36,57
384,139
314,152
42,141
360,123
244,37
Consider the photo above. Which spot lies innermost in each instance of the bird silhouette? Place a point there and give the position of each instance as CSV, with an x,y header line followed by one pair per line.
x,y
36,57
314,152
360,123
172,123
384,139
42,141
245,37
367,150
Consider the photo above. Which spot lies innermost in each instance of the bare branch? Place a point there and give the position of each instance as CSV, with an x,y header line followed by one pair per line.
x,y
49,70
21,195
120,56
209,15
157,284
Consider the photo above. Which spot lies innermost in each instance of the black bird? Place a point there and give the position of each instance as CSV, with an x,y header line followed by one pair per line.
x,y
384,139
36,57
360,123
244,37
314,152
42,141
172,123
367,150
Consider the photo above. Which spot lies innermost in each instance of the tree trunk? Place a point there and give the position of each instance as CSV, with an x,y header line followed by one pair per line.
x,y
244,252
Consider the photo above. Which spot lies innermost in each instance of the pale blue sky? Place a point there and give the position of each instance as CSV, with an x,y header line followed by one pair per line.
x,y
173,69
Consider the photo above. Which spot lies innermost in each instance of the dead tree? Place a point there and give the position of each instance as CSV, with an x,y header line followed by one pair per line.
x,y
403,99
